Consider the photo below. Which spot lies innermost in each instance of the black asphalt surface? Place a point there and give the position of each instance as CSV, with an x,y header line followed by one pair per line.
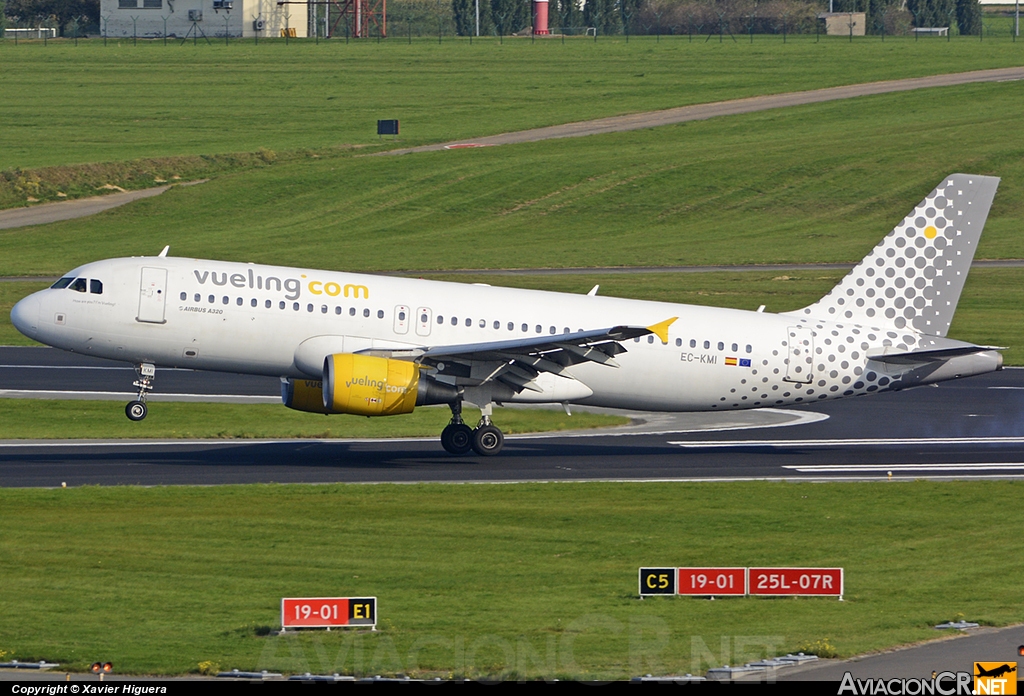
x,y
959,429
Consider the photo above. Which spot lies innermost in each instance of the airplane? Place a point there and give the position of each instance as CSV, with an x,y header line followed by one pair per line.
x,y
348,343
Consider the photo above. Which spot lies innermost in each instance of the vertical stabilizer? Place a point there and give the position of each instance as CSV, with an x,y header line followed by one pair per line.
x,y
914,277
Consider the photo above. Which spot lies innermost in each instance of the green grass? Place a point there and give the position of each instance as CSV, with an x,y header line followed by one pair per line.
x,y
527,581
66,104
41,419
809,184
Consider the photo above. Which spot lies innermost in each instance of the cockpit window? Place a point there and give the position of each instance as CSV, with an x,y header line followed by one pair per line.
x,y
78,285
62,283
96,287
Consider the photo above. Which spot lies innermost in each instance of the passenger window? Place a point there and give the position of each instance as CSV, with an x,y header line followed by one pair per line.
x,y
497,324
511,326
309,308
351,311
750,349
225,299
337,310
735,347
693,342
380,313
268,304
78,285
323,309
721,346
650,339
525,328
469,322
539,328
679,342
401,316
62,283
281,304
96,287
211,299
551,330
184,296
440,318
197,297
295,306
253,302
238,301
455,321
707,345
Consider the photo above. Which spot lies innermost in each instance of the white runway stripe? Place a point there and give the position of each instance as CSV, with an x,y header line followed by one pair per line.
x,y
850,442
885,468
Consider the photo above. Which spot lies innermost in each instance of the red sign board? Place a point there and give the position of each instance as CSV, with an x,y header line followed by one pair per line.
x,y
328,612
712,581
796,581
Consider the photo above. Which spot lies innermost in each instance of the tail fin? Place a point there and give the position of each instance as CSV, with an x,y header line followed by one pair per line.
x,y
914,276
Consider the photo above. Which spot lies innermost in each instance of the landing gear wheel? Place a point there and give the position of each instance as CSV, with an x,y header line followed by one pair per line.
x,y
136,410
457,438
487,440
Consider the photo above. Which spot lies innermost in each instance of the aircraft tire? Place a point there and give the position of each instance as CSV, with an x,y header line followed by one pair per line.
x,y
136,410
487,440
457,438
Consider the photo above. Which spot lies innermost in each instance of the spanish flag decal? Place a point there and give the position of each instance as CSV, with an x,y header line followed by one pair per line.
x,y
731,361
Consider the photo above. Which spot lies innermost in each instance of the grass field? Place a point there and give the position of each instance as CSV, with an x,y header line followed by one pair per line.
x,y
66,104
532,580
40,419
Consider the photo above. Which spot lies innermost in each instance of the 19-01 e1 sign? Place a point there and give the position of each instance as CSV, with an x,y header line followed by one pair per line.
x,y
328,612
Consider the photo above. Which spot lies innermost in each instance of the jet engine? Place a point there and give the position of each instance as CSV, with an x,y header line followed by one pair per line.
x,y
365,385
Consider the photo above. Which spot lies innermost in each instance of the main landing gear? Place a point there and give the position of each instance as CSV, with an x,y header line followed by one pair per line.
x,y
137,410
458,438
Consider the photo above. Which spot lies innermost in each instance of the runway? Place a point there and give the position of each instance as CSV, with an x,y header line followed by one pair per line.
x,y
970,428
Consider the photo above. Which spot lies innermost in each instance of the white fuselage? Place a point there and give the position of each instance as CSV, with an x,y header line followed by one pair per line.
x,y
248,318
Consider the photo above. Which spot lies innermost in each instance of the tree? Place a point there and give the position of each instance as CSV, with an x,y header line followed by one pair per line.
x,y
61,11
603,14
509,16
3,18
568,15
968,16
931,13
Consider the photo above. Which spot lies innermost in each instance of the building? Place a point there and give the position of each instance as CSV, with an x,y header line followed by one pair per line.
x,y
210,18
839,23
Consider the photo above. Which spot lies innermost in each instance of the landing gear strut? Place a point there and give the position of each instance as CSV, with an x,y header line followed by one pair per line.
x,y
459,438
137,410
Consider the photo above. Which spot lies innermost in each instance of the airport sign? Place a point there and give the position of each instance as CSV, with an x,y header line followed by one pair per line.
x,y
328,612
815,582
712,581
657,581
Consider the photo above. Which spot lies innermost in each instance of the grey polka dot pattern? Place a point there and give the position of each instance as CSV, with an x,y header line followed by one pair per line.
x,y
913,278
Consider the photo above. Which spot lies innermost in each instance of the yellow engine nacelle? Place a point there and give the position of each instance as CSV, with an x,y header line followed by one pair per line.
x,y
363,385
367,386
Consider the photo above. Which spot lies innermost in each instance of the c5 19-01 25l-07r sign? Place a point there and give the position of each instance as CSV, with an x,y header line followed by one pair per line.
x,y
344,343
328,612
739,582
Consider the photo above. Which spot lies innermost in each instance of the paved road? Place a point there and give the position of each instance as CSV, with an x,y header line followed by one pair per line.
x,y
967,428
67,210
701,112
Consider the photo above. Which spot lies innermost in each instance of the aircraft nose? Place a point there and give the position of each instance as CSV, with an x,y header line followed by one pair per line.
x,y
25,316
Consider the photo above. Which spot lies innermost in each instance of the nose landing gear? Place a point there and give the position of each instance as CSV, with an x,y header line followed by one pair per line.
x,y
137,410
458,438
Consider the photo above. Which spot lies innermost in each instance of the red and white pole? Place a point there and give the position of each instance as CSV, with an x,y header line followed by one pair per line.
x,y
540,17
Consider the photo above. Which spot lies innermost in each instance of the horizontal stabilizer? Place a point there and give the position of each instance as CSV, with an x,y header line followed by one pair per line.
x,y
930,355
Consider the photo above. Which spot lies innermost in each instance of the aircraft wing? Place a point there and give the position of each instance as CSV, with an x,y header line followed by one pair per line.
x,y
517,362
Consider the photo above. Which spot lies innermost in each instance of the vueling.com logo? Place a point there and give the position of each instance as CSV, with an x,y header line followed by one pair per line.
x,y
291,286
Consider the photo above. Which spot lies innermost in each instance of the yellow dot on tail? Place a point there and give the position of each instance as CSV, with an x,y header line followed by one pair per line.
x,y
930,232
